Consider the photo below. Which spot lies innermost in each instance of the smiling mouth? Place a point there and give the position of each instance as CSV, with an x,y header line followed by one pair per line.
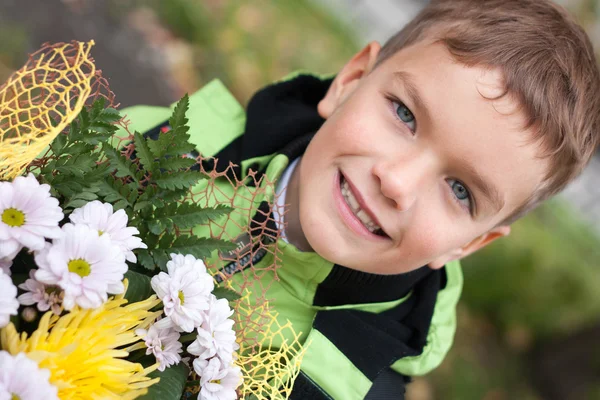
x,y
359,213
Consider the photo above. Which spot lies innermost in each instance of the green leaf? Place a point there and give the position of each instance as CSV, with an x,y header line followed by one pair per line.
x,y
176,163
120,205
178,118
159,198
143,152
109,115
97,136
155,227
113,191
58,144
224,293
79,148
146,260
171,384
99,172
180,144
97,107
102,127
81,199
161,257
173,143
185,215
76,166
199,247
177,180
68,188
123,166
139,287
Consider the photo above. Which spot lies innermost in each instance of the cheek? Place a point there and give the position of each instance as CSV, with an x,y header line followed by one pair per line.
x,y
434,235
353,128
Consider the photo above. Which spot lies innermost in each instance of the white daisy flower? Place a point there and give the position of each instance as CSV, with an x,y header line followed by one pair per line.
x,y
5,265
100,216
85,264
45,297
163,343
184,291
216,335
8,299
18,373
218,381
28,215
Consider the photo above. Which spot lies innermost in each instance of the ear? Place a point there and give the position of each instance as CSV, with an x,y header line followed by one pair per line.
x,y
348,78
471,247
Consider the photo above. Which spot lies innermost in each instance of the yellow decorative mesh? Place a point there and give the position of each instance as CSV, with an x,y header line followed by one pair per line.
x,y
271,366
40,100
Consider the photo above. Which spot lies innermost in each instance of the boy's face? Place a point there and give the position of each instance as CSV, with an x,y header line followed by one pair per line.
x,y
416,146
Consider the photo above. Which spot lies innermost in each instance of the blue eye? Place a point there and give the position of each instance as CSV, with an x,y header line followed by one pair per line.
x,y
405,115
461,193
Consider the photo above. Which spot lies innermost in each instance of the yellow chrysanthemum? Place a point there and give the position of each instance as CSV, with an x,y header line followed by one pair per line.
x,y
83,350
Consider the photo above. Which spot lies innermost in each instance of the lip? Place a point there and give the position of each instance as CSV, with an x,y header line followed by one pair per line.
x,y
351,220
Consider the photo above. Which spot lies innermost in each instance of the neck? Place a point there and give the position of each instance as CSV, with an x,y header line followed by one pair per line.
x,y
293,230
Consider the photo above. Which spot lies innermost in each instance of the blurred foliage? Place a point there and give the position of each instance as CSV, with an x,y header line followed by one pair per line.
x,y
545,276
12,52
250,44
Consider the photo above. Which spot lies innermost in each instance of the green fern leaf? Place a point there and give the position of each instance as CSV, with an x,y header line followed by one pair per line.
x,y
177,180
186,215
199,247
143,152
176,163
122,166
178,118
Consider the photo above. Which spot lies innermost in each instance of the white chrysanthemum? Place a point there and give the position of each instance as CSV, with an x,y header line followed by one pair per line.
x,y
163,343
216,335
28,215
21,378
184,291
43,296
5,265
218,381
84,264
100,216
8,299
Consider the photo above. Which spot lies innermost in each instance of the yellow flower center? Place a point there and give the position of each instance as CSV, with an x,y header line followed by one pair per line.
x,y
15,397
13,217
217,381
181,297
100,233
80,267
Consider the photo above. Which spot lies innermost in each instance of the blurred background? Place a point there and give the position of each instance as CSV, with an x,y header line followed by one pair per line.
x,y
529,319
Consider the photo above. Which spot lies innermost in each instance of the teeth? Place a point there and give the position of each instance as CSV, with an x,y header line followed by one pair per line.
x,y
353,203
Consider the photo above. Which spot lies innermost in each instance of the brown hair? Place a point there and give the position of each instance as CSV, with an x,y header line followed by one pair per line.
x,y
548,63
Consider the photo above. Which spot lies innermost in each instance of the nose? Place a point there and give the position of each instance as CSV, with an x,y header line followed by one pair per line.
x,y
402,181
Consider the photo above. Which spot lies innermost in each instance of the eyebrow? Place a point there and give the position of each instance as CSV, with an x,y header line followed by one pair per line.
x,y
489,191
407,80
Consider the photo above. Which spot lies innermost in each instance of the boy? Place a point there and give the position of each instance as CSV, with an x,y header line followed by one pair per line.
x,y
415,155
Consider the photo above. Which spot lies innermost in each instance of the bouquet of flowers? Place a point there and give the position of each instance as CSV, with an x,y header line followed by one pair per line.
x,y
106,290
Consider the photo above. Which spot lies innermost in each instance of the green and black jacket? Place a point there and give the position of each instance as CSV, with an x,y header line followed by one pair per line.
x,y
368,333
